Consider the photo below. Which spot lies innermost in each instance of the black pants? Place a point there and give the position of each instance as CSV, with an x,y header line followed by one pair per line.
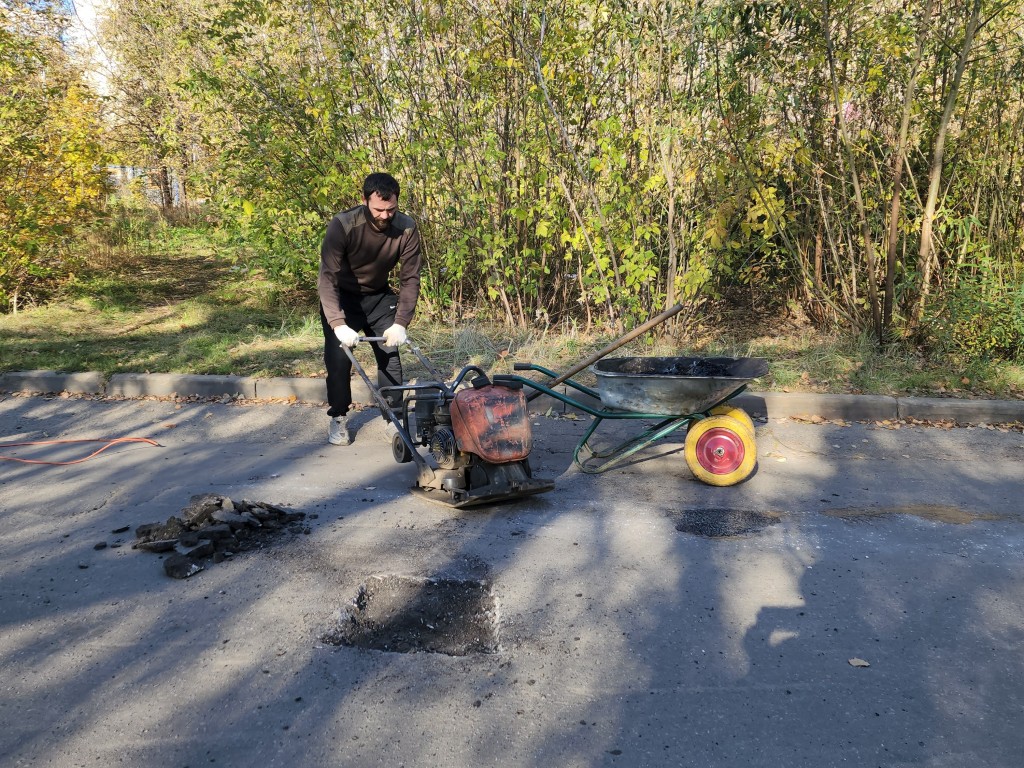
x,y
371,316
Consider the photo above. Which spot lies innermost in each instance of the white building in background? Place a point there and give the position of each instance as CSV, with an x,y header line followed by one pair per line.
x,y
84,37
144,178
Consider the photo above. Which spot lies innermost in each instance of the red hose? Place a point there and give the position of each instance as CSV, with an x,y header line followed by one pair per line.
x,y
109,442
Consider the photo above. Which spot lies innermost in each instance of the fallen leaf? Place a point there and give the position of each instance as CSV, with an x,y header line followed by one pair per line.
x,y
858,663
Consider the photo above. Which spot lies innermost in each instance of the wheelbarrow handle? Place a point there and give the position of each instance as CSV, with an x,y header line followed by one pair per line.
x,y
668,313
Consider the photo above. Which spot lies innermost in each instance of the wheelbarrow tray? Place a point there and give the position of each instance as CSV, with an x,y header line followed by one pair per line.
x,y
673,386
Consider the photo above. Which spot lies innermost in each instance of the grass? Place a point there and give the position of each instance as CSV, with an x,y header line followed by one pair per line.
x,y
175,301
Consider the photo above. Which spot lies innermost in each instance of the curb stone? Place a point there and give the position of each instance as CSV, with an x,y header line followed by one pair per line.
x,y
961,411
166,384
314,391
302,390
780,405
87,383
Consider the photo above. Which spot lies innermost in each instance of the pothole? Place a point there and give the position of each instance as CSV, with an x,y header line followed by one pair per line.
x,y
403,614
720,523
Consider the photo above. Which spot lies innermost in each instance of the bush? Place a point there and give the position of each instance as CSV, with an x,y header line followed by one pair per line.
x,y
973,323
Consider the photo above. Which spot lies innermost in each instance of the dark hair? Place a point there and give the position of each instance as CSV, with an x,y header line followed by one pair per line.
x,y
384,184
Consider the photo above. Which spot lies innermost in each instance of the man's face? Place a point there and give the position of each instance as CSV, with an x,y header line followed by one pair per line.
x,y
381,211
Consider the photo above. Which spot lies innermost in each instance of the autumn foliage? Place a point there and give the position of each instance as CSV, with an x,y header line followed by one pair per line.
x,y
52,164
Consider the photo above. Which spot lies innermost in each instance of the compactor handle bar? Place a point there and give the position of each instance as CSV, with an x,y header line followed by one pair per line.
x,y
415,350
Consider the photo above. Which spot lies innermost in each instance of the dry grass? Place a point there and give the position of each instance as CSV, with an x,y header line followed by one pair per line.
x,y
179,305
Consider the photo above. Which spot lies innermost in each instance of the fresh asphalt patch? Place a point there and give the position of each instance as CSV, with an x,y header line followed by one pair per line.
x,y
720,523
404,614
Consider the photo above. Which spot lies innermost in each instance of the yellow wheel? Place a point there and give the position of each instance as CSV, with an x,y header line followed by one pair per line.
x,y
720,450
737,413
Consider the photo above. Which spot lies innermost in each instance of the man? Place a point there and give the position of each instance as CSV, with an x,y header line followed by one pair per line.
x,y
361,248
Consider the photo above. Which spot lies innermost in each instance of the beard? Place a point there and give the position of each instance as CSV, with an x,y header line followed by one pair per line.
x,y
378,224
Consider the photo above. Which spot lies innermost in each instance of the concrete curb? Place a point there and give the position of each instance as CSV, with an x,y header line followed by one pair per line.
x,y
181,385
850,407
313,391
303,390
961,411
88,383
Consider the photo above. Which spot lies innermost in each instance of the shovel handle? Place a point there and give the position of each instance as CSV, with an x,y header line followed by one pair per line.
x,y
657,320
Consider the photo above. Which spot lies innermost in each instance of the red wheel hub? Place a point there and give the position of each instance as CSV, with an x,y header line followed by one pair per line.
x,y
720,451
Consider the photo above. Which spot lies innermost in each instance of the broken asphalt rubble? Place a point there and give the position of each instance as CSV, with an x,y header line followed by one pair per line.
x,y
212,528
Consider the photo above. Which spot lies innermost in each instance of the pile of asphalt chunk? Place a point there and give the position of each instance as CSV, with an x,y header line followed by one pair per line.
x,y
212,528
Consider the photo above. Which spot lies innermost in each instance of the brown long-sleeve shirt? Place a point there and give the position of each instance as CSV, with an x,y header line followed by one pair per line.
x,y
356,260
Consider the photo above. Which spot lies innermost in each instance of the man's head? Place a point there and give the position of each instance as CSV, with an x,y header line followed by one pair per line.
x,y
383,184
380,196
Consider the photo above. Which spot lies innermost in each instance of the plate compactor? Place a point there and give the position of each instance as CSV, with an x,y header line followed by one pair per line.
x,y
475,432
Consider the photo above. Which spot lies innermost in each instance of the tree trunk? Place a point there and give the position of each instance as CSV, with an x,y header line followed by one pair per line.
x,y
925,256
164,182
865,229
673,250
899,160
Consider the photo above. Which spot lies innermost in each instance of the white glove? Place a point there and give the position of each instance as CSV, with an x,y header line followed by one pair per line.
x,y
395,335
347,336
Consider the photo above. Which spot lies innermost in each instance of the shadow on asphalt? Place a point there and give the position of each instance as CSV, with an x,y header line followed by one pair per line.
x,y
623,640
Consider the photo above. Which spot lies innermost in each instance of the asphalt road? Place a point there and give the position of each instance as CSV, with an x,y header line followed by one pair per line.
x,y
644,619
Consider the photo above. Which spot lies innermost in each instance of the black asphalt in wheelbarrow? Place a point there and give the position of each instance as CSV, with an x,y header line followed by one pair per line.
x,y
690,392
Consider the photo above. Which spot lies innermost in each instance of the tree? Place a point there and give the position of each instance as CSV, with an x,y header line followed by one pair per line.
x,y
592,160
154,124
52,165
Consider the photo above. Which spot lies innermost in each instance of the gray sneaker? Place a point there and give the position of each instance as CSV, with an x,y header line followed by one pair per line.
x,y
390,430
337,432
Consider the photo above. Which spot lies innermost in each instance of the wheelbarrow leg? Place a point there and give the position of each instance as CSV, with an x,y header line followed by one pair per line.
x,y
624,450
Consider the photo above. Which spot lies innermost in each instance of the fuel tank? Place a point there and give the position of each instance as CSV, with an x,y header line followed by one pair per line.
x,y
492,422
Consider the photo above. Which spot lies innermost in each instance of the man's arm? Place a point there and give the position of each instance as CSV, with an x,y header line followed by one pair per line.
x,y
410,262
332,251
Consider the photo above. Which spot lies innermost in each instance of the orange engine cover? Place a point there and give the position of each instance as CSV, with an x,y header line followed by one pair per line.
x,y
492,423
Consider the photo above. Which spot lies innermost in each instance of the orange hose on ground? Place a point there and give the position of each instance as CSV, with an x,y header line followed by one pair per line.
x,y
109,443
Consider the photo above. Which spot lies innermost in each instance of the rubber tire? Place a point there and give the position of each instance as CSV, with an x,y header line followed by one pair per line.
x,y
737,413
400,450
729,433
